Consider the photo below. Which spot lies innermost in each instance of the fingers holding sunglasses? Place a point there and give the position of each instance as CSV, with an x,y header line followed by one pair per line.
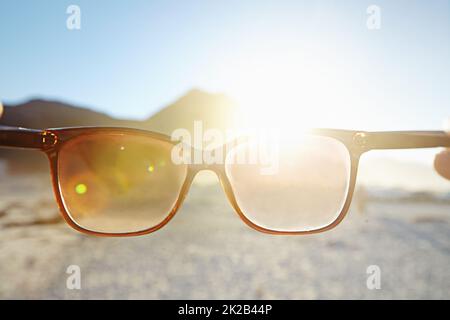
x,y
442,163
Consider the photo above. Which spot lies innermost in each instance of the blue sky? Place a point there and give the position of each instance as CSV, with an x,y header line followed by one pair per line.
x,y
131,58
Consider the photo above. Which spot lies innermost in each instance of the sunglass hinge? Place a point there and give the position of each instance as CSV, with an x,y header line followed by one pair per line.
x,y
49,139
360,140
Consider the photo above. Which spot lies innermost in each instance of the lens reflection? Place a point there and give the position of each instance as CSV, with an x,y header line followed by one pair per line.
x,y
118,183
306,192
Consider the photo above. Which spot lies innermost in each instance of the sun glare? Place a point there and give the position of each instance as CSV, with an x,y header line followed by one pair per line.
x,y
292,91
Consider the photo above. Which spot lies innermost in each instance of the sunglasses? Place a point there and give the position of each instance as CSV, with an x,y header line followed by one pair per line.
x,y
123,182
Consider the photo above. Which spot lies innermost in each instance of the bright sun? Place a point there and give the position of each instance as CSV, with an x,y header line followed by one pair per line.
x,y
288,92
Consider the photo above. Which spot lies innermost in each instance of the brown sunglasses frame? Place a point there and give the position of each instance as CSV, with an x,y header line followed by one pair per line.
x,y
51,141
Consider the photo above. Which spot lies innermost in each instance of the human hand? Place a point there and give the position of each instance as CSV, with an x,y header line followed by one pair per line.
x,y
442,163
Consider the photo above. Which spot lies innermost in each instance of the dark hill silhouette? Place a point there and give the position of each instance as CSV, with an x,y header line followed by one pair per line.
x,y
215,110
41,114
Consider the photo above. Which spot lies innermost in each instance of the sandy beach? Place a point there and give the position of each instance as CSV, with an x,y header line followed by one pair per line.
x,y
206,251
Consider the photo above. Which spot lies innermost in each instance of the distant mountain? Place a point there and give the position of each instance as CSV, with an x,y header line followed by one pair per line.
x,y
214,110
41,114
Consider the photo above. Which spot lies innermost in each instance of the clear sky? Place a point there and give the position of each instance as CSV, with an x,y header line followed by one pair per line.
x,y
315,60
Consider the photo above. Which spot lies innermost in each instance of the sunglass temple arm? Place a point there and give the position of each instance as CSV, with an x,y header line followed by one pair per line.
x,y
402,139
15,137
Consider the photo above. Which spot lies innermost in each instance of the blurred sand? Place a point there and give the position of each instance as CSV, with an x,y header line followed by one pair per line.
x,y
206,251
